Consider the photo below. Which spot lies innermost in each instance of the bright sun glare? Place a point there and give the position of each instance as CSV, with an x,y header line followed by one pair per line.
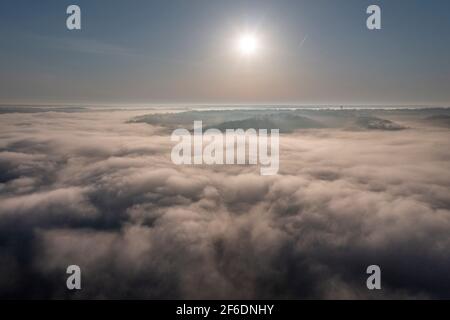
x,y
248,44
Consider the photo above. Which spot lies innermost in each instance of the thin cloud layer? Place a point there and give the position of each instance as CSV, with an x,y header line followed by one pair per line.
x,y
94,190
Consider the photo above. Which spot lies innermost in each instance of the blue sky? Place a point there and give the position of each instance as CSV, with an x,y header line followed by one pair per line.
x,y
181,51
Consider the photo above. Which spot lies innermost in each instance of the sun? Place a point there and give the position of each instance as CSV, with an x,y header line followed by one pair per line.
x,y
248,44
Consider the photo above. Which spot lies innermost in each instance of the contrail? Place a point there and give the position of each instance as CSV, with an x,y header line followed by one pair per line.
x,y
303,41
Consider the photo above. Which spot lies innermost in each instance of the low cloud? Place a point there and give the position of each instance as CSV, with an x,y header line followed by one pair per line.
x,y
93,190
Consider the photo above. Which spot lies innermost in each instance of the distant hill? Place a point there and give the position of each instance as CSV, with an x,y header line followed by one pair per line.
x,y
286,123
288,120
209,118
373,123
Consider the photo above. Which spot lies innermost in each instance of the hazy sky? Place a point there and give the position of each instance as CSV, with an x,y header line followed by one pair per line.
x,y
184,51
